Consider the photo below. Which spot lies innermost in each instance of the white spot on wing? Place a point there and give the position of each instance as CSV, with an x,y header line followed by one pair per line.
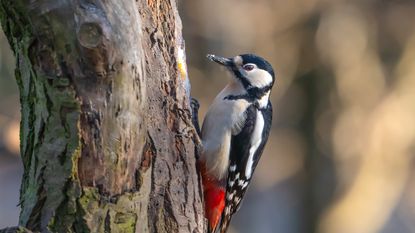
x,y
245,185
255,142
231,182
232,168
228,210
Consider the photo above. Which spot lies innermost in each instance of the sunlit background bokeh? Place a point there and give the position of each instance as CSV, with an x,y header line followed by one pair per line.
x,y
340,157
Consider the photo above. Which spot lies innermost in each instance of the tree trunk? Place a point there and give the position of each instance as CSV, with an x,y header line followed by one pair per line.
x,y
107,141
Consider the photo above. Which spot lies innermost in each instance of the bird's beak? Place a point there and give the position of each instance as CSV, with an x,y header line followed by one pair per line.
x,y
221,60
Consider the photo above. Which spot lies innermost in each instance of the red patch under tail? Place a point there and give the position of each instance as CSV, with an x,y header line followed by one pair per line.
x,y
214,193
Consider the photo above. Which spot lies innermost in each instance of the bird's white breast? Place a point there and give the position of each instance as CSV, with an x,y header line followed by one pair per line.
x,y
224,118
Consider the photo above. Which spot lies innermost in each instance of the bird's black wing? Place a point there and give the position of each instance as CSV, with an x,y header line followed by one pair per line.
x,y
241,144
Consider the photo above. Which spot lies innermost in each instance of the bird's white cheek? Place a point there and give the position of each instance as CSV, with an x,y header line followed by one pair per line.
x,y
259,78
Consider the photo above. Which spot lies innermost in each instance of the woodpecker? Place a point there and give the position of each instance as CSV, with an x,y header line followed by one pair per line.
x,y
234,132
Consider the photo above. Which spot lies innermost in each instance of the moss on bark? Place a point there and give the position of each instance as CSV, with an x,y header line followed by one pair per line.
x,y
106,139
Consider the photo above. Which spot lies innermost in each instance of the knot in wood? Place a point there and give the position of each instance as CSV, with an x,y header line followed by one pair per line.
x,y
90,34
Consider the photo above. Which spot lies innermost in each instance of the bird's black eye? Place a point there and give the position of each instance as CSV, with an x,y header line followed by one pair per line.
x,y
248,67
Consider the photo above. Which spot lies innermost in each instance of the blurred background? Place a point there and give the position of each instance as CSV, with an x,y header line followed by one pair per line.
x,y
340,156
11,167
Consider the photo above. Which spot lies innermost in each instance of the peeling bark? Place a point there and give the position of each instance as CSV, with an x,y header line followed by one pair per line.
x,y
107,141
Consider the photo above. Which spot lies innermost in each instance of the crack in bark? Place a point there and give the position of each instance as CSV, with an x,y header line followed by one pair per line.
x,y
91,129
34,221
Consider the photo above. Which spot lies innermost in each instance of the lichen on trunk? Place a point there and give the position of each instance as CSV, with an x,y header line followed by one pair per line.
x,y
106,136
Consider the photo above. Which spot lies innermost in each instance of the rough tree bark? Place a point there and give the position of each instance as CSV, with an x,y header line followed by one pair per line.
x,y
106,136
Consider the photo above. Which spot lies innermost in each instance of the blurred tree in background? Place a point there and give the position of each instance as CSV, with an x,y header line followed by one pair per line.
x,y
340,158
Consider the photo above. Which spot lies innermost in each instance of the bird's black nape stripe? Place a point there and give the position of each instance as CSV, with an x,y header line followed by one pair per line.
x,y
253,94
246,97
258,93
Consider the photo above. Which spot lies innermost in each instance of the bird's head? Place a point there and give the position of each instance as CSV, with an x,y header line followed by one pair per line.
x,y
254,72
